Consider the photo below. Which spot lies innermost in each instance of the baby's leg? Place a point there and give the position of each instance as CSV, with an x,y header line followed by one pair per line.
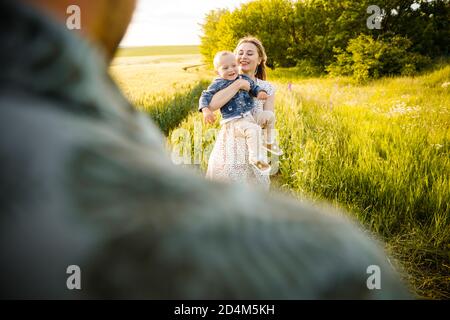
x,y
253,134
266,119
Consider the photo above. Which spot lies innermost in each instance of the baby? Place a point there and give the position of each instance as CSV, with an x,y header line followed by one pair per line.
x,y
239,108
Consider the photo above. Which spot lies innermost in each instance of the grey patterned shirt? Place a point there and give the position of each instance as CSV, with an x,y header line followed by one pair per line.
x,y
85,181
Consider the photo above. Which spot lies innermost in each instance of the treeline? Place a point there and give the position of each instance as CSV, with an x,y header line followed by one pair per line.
x,y
363,38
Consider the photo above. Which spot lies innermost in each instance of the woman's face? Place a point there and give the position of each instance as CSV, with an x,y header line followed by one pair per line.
x,y
247,58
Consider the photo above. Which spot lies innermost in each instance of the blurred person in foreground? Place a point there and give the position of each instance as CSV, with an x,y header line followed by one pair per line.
x,y
86,182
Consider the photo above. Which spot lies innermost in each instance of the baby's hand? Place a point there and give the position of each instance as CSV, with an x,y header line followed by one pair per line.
x,y
262,95
208,116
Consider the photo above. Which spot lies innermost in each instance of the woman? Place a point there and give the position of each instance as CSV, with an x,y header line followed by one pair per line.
x,y
229,158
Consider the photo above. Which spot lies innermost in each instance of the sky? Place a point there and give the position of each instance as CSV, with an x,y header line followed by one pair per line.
x,y
171,22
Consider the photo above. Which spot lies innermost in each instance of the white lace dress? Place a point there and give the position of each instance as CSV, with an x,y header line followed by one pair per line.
x,y
229,158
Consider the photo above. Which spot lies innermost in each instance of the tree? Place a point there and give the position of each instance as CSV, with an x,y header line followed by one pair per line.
x,y
366,57
218,34
310,32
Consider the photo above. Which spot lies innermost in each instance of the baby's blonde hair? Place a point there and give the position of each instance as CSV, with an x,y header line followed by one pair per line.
x,y
218,56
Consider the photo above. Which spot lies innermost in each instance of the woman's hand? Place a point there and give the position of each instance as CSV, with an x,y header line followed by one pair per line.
x,y
269,104
262,95
208,116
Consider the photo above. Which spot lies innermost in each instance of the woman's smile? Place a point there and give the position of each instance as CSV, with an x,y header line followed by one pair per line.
x,y
248,58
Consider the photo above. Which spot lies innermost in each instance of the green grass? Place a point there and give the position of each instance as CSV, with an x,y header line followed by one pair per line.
x,y
160,86
170,111
156,51
380,150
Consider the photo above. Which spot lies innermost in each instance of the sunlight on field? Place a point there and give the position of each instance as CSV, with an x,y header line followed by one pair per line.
x,y
146,79
166,86
380,150
157,51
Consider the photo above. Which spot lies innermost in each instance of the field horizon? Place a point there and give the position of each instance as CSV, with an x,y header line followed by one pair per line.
x,y
130,51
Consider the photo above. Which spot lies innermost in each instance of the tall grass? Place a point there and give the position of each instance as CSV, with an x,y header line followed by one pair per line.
x,y
380,150
168,112
159,84
192,141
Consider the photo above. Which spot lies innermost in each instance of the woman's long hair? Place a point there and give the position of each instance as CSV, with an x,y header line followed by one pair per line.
x,y
261,69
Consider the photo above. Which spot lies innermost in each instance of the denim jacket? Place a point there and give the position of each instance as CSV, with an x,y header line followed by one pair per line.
x,y
241,103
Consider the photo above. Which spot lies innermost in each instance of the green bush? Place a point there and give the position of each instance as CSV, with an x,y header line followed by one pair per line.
x,y
366,58
295,30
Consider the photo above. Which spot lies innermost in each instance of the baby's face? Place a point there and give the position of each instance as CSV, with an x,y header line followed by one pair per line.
x,y
228,68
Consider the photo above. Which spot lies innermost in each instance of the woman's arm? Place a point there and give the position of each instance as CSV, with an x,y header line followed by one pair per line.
x,y
225,95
